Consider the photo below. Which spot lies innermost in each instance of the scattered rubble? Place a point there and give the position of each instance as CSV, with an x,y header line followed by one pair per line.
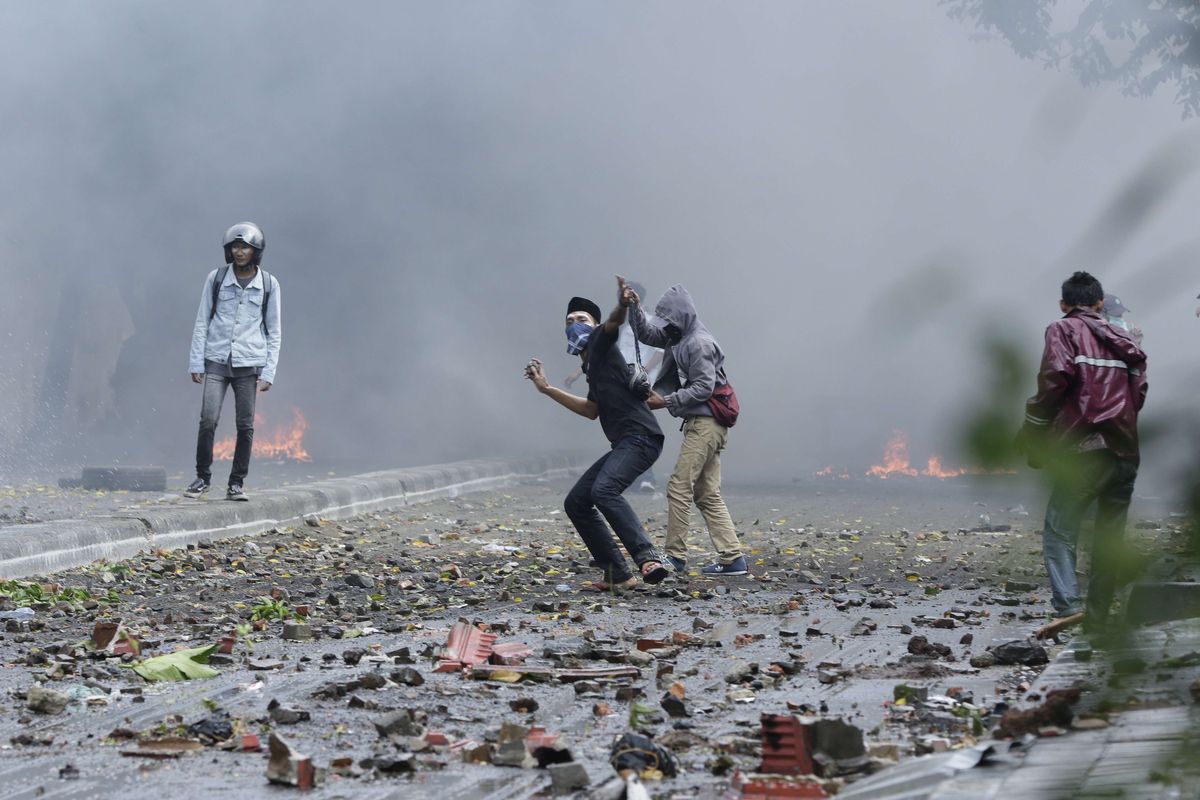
x,y
430,625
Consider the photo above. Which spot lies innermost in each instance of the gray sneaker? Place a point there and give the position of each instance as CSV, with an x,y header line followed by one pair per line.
x,y
196,488
235,492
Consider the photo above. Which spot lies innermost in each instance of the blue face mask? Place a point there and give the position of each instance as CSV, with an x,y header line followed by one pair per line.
x,y
577,337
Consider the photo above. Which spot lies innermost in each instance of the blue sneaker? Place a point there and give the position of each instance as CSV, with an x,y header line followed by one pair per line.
x,y
677,564
735,567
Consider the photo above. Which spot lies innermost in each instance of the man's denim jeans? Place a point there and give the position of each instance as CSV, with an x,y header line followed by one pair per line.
x,y
1093,477
598,491
210,412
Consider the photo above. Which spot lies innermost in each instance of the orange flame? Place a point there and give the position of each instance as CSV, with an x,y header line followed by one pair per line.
x,y
281,443
829,472
895,458
895,462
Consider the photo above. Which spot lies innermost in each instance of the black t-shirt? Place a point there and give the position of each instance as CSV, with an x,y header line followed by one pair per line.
x,y
621,412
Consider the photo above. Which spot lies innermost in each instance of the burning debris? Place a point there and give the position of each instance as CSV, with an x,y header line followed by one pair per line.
x,y
896,463
282,442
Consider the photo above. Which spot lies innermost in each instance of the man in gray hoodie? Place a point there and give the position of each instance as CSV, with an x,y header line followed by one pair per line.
x,y
692,367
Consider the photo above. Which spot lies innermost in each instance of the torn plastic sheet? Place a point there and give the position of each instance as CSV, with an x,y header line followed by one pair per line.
x,y
920,777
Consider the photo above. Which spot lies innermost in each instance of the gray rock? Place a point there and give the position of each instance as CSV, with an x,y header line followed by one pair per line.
x,y
568,777
638,658
407,677
297,631
400,723
983,661
371,680
282,715
510,749
739,672
1022,652
46,701
360,580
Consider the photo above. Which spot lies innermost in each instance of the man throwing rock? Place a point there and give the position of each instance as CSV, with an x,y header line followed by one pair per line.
x,y
636,441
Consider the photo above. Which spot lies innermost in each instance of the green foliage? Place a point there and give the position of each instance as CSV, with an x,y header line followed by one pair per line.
x,y
272,609
23,593
638,712
181,665
1139,45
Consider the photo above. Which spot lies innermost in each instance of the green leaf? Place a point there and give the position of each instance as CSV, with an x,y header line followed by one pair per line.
x,y
178,666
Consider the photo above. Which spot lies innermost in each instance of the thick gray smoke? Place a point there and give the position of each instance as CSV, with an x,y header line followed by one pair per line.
x,y
854,193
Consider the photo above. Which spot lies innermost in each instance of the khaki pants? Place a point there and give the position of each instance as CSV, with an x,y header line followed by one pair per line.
x,y
697,477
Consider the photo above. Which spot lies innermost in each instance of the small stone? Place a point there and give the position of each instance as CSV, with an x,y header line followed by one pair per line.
x,y
637,658
828,676
372,680
401,764
282,715
674,706
523,705
400,723
739,672
360,580
46,701
983,661
566,778
740,696
353,655
297,631
407,677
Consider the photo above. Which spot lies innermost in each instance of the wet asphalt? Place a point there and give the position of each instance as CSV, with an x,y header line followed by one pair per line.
x,y
838,569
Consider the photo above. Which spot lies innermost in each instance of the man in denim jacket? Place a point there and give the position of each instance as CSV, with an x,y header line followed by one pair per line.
x,y
235,342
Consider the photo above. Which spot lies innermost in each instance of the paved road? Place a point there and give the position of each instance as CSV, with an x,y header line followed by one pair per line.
x,y
490,558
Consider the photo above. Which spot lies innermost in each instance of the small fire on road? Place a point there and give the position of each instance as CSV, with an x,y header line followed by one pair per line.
x,y
896,462
283,442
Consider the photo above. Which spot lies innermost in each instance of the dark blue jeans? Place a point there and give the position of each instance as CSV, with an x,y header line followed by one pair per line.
x,y
1095,477
598,491
210,412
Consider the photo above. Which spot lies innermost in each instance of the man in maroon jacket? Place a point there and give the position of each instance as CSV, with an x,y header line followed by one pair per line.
x,y
1082,426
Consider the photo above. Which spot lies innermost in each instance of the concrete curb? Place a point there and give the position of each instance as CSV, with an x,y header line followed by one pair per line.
x,y
45,547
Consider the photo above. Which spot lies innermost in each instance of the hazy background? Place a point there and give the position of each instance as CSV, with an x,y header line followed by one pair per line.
x,y
854,193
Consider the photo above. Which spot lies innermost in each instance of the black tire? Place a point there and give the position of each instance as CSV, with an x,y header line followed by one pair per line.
x,y
132,479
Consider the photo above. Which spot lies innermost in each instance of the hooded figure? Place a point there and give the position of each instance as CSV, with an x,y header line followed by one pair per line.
x,y
693,367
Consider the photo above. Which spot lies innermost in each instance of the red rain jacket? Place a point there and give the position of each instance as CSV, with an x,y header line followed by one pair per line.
x,y
1091,385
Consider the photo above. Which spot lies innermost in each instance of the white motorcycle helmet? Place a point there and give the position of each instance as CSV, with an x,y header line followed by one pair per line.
x,y
249,233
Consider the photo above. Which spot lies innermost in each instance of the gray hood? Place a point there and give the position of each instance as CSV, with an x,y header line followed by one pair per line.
x,y
677,308
694,366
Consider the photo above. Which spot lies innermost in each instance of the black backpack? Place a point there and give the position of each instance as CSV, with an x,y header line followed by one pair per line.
x,y
219,278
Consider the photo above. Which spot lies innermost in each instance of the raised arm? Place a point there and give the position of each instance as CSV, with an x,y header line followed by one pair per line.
x,y
645,332
580,405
